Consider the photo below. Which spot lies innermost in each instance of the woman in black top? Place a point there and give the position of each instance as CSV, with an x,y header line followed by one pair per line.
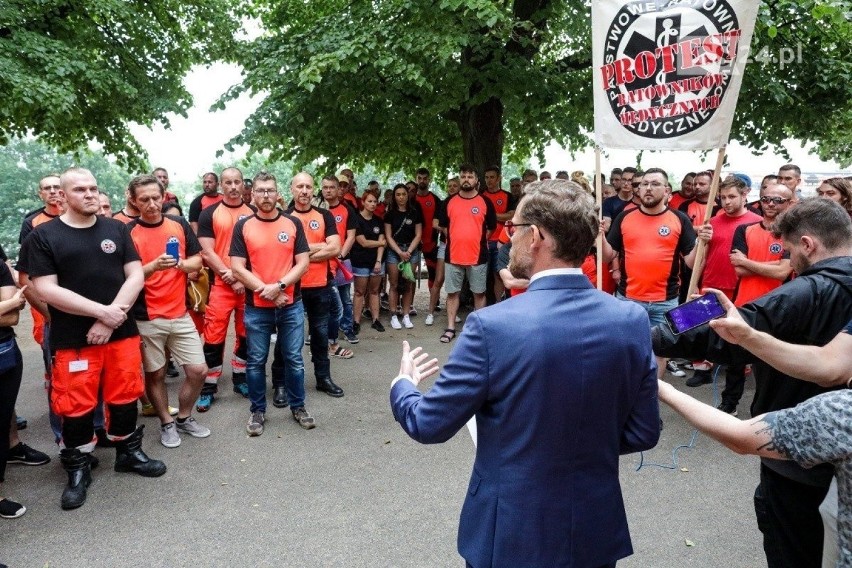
x,y
367,257
403,228
11,370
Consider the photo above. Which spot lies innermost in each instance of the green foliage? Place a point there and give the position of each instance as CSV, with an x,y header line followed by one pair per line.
x,y
24,163
392,82
83,71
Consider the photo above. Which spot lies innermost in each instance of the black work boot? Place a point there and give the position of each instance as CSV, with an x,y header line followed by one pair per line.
x,y
77,464
129,457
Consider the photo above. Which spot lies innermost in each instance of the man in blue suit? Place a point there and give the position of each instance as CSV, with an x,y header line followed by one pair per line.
x,y
562,380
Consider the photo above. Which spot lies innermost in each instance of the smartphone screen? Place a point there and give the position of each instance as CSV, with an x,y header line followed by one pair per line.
x,y
173,248
694,313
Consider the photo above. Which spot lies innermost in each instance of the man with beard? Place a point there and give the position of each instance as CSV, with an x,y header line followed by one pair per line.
x,y
687,191
501,201
210,196
468,218
549,434
696,207
428,203
650,241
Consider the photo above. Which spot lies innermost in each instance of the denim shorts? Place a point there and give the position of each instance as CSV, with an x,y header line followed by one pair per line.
x,y
367,272
392,258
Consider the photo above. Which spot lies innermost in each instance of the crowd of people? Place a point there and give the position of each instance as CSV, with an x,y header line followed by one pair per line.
x,y
121,299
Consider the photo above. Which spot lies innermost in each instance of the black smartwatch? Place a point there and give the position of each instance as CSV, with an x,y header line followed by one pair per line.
x,y
281,286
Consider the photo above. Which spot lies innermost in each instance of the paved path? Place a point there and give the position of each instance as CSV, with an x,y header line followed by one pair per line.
x,y
353,492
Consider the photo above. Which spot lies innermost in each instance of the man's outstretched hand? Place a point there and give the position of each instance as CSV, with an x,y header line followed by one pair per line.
x,y
415,365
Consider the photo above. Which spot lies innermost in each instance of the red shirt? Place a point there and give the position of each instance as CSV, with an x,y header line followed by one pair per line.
x,y
217,222
676,200
428,206
718,270
500,200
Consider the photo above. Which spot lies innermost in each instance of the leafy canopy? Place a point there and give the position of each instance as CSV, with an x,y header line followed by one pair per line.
x,y
390,82
74,72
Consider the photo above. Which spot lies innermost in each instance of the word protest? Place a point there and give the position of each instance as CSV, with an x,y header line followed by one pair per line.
x,y
667,73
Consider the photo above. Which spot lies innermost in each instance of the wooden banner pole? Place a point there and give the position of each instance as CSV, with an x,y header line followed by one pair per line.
x,y
701,253
599,200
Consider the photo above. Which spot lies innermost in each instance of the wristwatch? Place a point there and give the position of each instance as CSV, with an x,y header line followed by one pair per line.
x,y
281,285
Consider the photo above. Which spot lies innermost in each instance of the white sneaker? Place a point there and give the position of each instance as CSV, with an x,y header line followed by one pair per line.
x,y
395,322
169,436
458,319
430,319
406,321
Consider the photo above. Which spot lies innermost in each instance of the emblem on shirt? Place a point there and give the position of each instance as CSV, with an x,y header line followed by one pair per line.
x,y
338,218
314,224
475,210
499,202
408,221
775,248
173,239
664,231
283,237
108,246
376,230
428,204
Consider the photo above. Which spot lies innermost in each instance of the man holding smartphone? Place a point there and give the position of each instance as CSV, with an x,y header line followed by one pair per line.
x,y
169,251
812,309
650,242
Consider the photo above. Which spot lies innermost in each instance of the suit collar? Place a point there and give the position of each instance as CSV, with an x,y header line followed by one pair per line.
x,y
560,281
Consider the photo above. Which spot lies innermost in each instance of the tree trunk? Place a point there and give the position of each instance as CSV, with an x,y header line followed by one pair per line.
x,y
481,129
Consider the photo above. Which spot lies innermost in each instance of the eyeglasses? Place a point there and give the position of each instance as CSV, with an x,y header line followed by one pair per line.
x,y
512,227
774,200
265,191
654,184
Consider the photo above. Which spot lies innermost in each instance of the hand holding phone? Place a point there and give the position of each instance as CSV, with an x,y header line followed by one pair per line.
x,y
694,313
173,248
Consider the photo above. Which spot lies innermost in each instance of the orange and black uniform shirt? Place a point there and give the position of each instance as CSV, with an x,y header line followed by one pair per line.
x,y
500,200
32,221
650,247
428,208
468,222
695,211
123,217
201,203
318,225
344,219
164,293
270,247
218,221
759,245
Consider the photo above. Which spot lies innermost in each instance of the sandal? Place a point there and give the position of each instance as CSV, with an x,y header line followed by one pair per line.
x,y
342,352
448,335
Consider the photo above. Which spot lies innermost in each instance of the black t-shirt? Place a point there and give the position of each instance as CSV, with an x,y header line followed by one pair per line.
x,y
3,257
371,229
7,332
87,261
402,223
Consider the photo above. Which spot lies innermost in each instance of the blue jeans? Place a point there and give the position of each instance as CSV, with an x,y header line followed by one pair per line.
x,y
340,306
316,301
656,310
288,322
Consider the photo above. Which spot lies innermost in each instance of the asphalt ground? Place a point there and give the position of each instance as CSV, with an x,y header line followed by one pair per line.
x,y
355,491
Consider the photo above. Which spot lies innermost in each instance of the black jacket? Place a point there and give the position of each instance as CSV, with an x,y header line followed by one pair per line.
x,y
810,309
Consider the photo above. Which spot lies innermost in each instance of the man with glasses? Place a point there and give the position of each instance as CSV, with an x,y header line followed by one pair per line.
x,y
650,241
269,255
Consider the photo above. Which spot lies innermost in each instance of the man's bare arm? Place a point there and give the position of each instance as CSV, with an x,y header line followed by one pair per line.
x,y
753,436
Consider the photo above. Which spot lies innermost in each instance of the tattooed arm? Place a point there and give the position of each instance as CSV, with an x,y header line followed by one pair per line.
x,y
755,436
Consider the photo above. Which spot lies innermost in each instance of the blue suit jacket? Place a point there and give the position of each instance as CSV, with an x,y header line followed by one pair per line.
x,y
562,380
